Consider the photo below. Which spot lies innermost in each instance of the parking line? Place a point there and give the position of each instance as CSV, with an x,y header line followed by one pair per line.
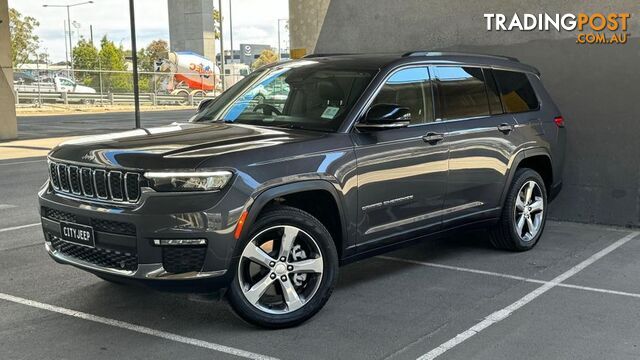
x,y
505,312
508,276
19,227
135,328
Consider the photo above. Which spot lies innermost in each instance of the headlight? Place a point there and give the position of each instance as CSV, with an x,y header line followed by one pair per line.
x,y
188,181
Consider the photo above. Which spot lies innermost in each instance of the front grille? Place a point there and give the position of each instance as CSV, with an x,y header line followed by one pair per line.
x,y
108,226
58,215
101,257
114,227
109,185
179,260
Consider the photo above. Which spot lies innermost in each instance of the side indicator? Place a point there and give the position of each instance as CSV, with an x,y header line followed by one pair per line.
x,y
559,120
241,221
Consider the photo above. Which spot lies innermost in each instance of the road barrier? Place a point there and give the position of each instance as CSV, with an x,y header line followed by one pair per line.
x,y
108,98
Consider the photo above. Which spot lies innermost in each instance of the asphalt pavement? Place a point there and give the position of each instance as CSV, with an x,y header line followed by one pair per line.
x,y
574,296
404,305
39,126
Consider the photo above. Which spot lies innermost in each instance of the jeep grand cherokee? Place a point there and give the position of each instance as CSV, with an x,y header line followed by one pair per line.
x,y
360,154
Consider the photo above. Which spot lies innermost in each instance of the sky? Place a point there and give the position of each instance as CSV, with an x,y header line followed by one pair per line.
x,y
254,21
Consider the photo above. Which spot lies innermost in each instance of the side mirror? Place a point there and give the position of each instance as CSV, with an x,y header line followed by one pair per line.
x,y
204,103
385,116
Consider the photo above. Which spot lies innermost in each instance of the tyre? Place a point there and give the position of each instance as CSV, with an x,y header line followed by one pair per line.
x,y
524,213
286,270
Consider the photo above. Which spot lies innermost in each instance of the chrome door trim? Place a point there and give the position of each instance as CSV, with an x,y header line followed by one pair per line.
x,y
422,217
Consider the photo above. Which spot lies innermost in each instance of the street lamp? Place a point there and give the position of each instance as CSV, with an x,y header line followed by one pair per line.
x,y
280,52
69,25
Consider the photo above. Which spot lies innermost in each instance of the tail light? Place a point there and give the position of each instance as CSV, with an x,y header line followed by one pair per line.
x,y
559,120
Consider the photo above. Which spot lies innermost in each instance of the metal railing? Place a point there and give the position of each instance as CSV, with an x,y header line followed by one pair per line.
x,y
107,99
112,87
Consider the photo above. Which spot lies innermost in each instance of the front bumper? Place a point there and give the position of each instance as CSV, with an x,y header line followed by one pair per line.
x,y
125,234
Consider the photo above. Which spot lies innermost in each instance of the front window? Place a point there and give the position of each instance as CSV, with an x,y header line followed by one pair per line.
x,y
304,94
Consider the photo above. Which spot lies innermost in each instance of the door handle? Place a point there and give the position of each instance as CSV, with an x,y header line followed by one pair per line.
x,y
505,128
433,138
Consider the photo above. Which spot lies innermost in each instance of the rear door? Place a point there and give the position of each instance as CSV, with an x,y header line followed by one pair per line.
x,y
402,173
480,137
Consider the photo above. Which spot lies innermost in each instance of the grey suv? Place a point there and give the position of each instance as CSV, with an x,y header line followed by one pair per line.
x,y
362,154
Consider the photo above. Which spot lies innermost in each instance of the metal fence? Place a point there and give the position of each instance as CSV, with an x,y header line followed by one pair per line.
x,y
38,86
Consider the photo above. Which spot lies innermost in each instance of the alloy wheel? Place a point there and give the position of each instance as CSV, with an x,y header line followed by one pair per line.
x,y
280,269
529,211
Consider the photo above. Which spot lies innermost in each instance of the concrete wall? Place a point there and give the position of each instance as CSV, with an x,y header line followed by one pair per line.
x,y
305,22
597,87
8,125
191,27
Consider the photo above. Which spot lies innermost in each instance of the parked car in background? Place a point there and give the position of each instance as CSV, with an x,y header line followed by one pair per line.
x,y
367,153
50,84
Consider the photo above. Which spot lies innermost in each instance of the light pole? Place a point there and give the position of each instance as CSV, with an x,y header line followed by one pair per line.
x,y
69,25
222,76
280,52
231,33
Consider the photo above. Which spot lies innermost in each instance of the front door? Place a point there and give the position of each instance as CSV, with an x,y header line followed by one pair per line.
x,y
402,172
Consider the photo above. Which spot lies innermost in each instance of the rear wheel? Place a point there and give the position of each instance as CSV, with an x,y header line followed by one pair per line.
x,y
524,213
286,271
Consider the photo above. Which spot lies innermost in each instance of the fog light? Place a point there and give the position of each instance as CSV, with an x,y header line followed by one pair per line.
x,y
180,242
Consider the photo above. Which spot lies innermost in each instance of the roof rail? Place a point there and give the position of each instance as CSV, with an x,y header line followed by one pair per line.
x,y
309,56
453,53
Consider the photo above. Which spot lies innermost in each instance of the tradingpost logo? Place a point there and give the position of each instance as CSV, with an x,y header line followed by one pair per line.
x,y
596,28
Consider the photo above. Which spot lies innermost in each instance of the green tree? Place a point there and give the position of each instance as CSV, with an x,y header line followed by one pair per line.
x,y
147,57
267,56
24,43
85,57
112,58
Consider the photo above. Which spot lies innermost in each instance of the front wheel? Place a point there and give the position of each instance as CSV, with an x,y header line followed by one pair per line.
x,y
286,271
524,213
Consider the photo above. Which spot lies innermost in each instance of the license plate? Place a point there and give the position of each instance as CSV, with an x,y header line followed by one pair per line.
x,y
76,233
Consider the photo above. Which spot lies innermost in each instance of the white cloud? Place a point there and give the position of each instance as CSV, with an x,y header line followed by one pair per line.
x,y
254,21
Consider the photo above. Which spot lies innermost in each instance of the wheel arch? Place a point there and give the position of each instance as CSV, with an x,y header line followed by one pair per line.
x,y
290,192
537,159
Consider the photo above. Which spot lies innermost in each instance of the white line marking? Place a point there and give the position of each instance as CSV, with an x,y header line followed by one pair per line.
x,y
457,268
135,328
507,311
18,227
508,276
6,206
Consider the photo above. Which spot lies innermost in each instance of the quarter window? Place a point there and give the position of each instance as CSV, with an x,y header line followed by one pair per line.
x,y
409,88
461,91
515,91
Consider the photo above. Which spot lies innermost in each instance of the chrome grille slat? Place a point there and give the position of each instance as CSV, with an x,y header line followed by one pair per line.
x,y
106,185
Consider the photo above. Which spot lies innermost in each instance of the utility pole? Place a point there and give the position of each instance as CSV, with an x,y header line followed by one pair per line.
x,y
66,48
231,33
222,61
134,59
91,34
279,42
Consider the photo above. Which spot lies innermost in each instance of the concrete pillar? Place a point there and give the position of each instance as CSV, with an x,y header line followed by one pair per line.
x,y
191,27
305,22
8,124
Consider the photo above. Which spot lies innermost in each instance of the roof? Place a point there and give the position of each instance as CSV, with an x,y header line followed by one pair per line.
x,y
378,61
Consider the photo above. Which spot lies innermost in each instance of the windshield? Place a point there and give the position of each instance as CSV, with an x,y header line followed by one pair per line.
x,y
302,94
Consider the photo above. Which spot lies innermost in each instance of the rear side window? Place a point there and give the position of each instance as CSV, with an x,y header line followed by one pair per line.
x,y
461,92
516,91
